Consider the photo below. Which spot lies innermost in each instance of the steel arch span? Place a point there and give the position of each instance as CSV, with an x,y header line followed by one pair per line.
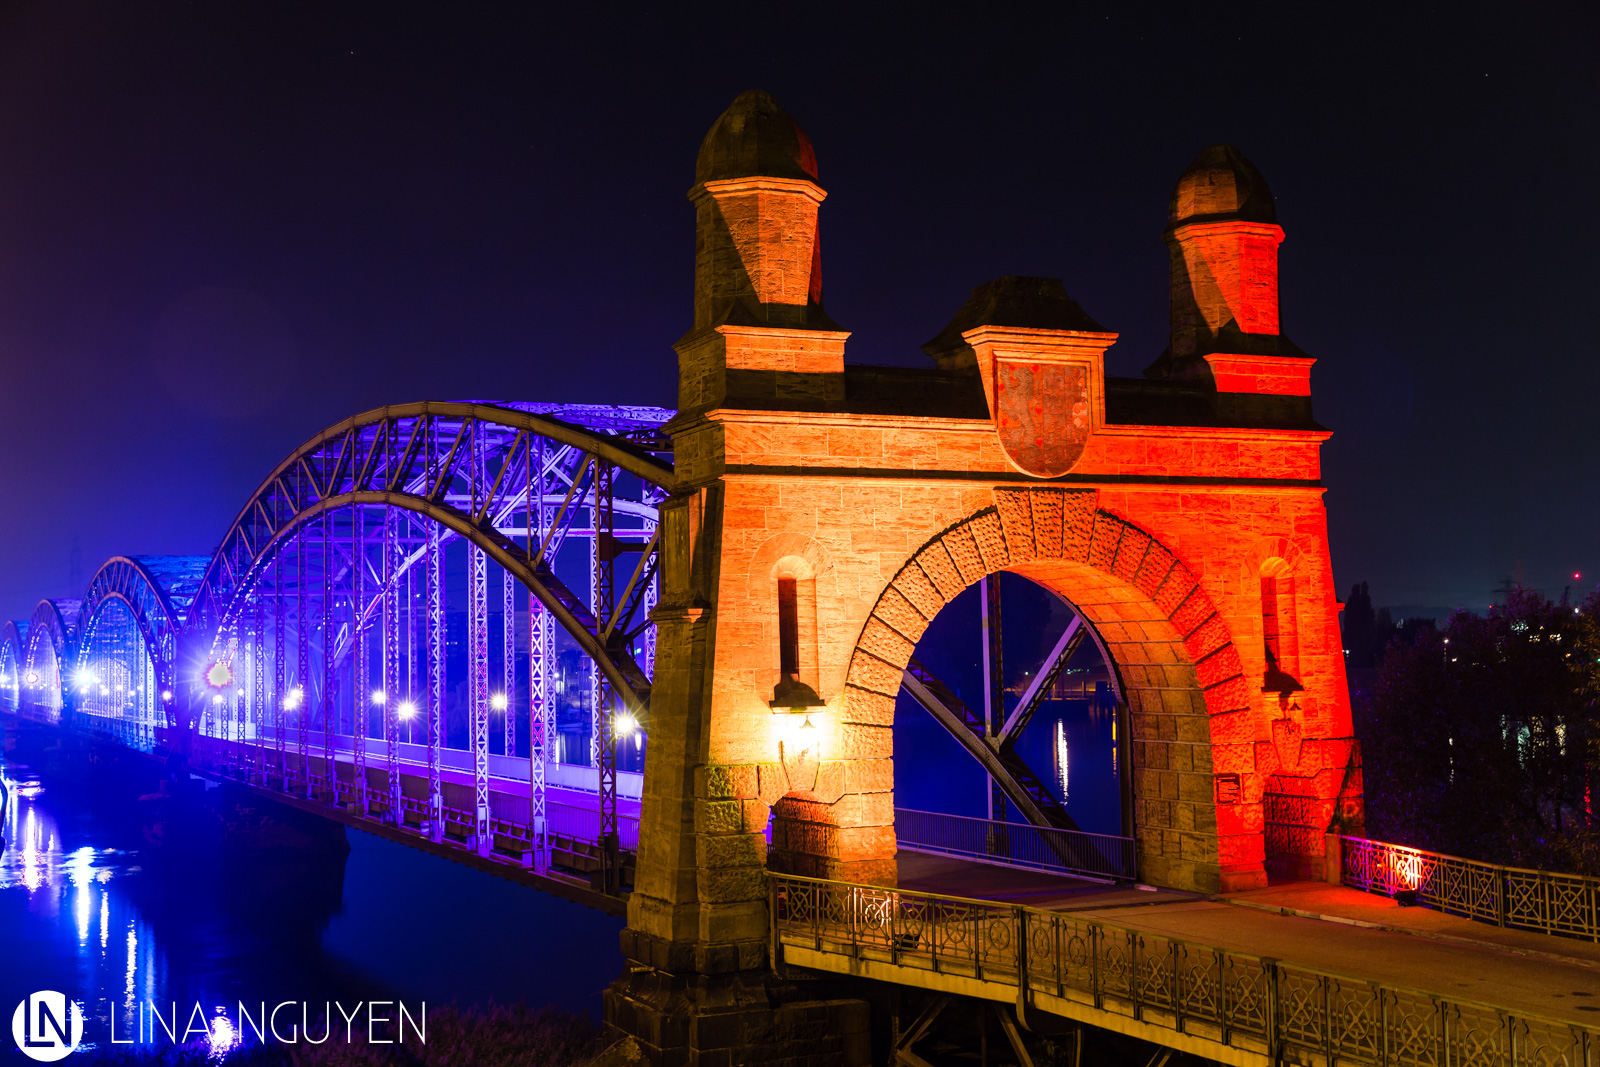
x,y
127,638
50,644
13,647
320,642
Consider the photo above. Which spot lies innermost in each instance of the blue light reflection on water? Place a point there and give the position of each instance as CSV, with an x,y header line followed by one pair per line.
x,y
89,909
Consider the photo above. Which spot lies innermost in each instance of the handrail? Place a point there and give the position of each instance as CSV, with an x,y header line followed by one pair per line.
x,y
1016,844
1253,1003
1549,902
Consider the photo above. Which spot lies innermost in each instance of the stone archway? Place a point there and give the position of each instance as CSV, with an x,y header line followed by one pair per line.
x,y
1189,707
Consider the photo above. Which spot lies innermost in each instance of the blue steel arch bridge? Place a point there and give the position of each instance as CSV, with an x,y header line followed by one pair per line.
x,y
432,615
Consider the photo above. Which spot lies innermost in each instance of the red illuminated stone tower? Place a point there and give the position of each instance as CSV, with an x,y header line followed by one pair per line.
x,y
829,512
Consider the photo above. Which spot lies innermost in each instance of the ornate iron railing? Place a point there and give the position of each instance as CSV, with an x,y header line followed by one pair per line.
x,y
1017,844
1567,905
1283,1012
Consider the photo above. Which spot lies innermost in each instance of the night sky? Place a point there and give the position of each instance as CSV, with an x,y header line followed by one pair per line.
x,y
225,226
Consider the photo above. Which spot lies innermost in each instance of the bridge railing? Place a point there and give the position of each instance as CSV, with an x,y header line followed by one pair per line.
x,y
1017,844
1567,905
1060,962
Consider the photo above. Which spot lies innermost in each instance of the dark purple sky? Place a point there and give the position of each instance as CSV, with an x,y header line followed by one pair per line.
x,y
225,226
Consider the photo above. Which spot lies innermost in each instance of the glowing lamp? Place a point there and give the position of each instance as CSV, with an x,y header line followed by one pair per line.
x,y
83,678
498,702
378,696
219,675
406,710
217,698
32,678
104,691
293,698
626,725
166,694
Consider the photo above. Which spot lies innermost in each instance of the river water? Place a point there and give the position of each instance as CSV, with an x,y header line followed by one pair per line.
x,y
89,907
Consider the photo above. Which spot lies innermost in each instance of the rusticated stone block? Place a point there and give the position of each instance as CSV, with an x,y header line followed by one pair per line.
x,y
1207,638
866,742
896,612
1047,507
1191,613
1176,587
885,642
833,779
730,885
1077,523
869,672
1232,695
914,584
1103,541
727,781
963,551
869,776
1130,553
718,816
991,540
941,571
866,706
1219,666
730,850
1016,520
1153,570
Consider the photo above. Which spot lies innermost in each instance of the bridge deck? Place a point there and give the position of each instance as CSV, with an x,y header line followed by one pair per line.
x,y
1328,927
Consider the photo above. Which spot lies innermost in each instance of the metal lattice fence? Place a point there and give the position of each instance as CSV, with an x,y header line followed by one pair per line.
x,y
1284,1012
1548,902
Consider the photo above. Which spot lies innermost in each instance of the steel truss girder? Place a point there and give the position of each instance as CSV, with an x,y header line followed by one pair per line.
x,y
343,460
128,580
565,607
1020,785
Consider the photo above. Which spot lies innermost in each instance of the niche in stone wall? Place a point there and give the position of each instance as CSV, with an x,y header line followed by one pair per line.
x,y
1279,630
794,591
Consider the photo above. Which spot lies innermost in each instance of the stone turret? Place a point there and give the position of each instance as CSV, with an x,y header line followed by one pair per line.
x,y
1223,238
760,333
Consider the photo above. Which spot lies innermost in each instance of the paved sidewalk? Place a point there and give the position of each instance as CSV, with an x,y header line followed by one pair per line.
x,y
1330,928
1547,984
1337,903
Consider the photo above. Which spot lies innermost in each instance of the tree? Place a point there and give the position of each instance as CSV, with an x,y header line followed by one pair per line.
x,y
1483,738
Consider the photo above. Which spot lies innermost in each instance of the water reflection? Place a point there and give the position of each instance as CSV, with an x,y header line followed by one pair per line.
x,y
130,903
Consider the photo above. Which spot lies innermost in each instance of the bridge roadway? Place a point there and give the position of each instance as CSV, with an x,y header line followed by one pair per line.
x,y
1251,978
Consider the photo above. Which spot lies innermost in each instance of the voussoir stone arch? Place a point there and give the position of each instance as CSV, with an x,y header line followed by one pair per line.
x,y
1189,710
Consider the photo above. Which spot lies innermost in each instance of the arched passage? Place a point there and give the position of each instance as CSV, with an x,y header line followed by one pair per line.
x,y
1182,679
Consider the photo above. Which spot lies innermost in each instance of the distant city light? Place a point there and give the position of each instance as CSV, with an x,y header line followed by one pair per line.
x,y
406,710
498,702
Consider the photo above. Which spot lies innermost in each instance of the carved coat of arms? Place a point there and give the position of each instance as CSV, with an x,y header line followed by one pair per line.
x,y
1042,413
